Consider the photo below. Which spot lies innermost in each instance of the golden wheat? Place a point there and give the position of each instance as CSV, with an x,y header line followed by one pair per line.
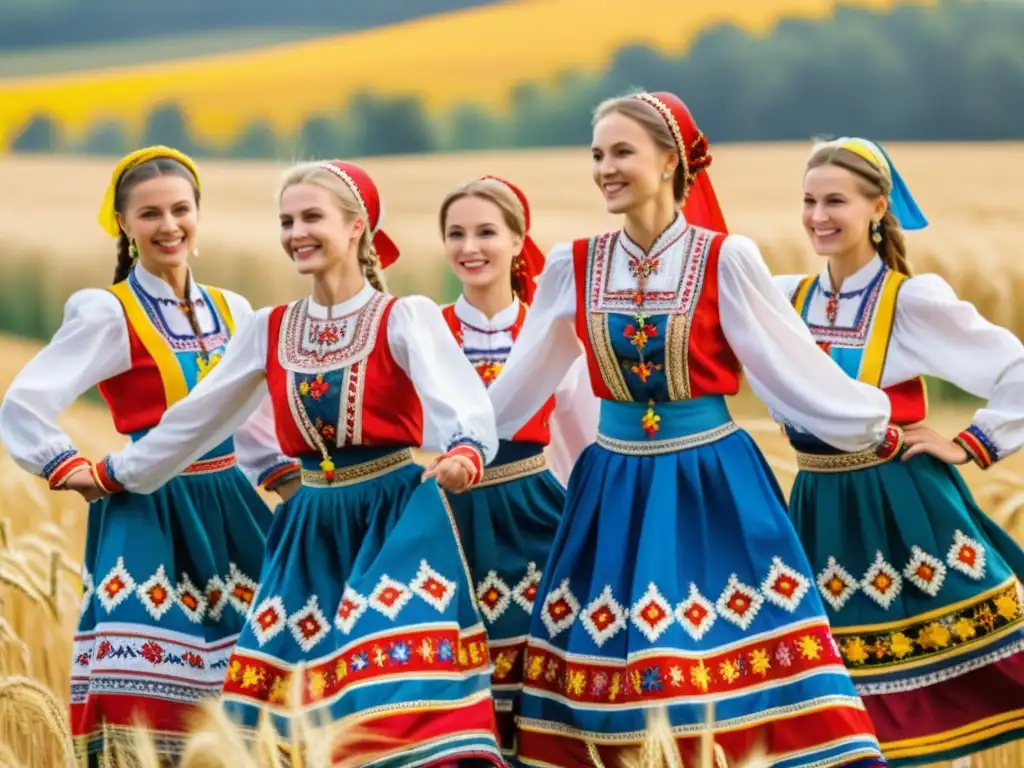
x,y
476,55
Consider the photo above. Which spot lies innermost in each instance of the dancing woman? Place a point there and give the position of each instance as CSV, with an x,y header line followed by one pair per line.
x,y
507,522
675,579
169,574
922,587
365,595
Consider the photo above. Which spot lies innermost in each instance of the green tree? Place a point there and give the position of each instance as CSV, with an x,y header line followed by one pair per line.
x,y
167,124
40,134
473,127
107,139
390,126
257,142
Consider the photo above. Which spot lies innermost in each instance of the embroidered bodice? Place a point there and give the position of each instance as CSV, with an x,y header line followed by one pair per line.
x,y
134,343
369,371
890,331
649,321
709,307
487,343
335,383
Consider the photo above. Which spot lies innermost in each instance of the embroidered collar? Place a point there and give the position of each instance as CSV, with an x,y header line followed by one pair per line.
x,y
855,284
347,307
475,319
671,236
155,287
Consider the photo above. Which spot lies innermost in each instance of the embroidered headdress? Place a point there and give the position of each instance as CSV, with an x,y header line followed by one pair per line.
x,y
527,266
365,192
108,216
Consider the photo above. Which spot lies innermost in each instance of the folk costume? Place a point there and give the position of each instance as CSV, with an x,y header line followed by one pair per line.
x,y
922,588
168,575
675,579
365,595
507,522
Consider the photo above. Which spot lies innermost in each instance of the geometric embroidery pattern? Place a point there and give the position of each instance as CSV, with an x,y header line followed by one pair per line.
x,y
836,584
216,597
525,592
925,572
88,590
784,586
434,588
882,583
115,587
350,608
191,600
560,609
389,597
652,614
739,603
156,594
309,625
241,589
268,619
493,596
967,556
604,617
696,614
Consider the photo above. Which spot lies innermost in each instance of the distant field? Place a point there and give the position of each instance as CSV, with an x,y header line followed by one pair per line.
x,y
472,56
74,58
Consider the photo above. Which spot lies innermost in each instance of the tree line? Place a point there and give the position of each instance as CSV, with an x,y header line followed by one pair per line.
x,y
952,73
25,24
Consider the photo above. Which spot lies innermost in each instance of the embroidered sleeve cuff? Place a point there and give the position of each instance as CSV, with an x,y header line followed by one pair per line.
x,y
279,473
104,476
61,466
474,454
891,443
979,446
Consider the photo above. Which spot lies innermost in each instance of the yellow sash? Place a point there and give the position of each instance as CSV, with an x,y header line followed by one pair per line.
x,y
173,378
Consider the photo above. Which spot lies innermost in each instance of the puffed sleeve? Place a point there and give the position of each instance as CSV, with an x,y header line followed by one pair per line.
x,y
453,396
574,421
212,411
937,334
91,346
544,350
786,369
256,444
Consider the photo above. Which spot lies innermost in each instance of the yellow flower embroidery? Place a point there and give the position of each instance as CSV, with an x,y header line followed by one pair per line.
x,y
900,645
760,662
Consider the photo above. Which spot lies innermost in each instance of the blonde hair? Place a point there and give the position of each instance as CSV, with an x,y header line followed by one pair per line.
x,y
872,182
654,125
493,191
314,173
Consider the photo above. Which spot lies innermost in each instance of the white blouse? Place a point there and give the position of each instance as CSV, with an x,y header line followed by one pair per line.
x,y
454,398
936,334
781,361
91,346
573,423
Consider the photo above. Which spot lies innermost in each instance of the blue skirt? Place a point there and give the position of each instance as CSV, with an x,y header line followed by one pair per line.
x,y
676,580
923,597
507,524
168,579
365,609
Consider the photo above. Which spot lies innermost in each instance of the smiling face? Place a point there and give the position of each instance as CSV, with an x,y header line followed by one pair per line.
x,y
478,241
839,210
629,167
317,232
161,215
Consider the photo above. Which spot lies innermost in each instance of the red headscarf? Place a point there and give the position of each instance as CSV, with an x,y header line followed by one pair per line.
x,y
700,206
366,194
527,266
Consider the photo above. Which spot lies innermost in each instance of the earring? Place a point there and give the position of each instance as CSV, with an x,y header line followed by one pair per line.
x,y
666,175
876,232
133,251
195,252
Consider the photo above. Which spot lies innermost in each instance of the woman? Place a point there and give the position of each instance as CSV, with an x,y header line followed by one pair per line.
x,y
508,521
168,575
921,586
364,595
675,578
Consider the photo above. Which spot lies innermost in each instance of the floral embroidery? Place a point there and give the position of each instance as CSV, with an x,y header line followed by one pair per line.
x,y
316,388
488,370
639,334
925,572
993,614
967,556
644,369
882,583
836,584
325,429
650,420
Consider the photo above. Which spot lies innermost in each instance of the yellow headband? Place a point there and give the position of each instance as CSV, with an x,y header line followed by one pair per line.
x,y
108,216
866,149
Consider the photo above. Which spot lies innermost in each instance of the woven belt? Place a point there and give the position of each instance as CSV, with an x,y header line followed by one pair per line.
x,y
838,462
206,466
356,473
513,470
672,445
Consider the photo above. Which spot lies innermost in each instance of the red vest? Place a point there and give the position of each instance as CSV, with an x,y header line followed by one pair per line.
x,y
380,404
538,428
711,367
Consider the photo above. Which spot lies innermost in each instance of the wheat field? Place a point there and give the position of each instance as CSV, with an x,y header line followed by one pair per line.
x,y
47,221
